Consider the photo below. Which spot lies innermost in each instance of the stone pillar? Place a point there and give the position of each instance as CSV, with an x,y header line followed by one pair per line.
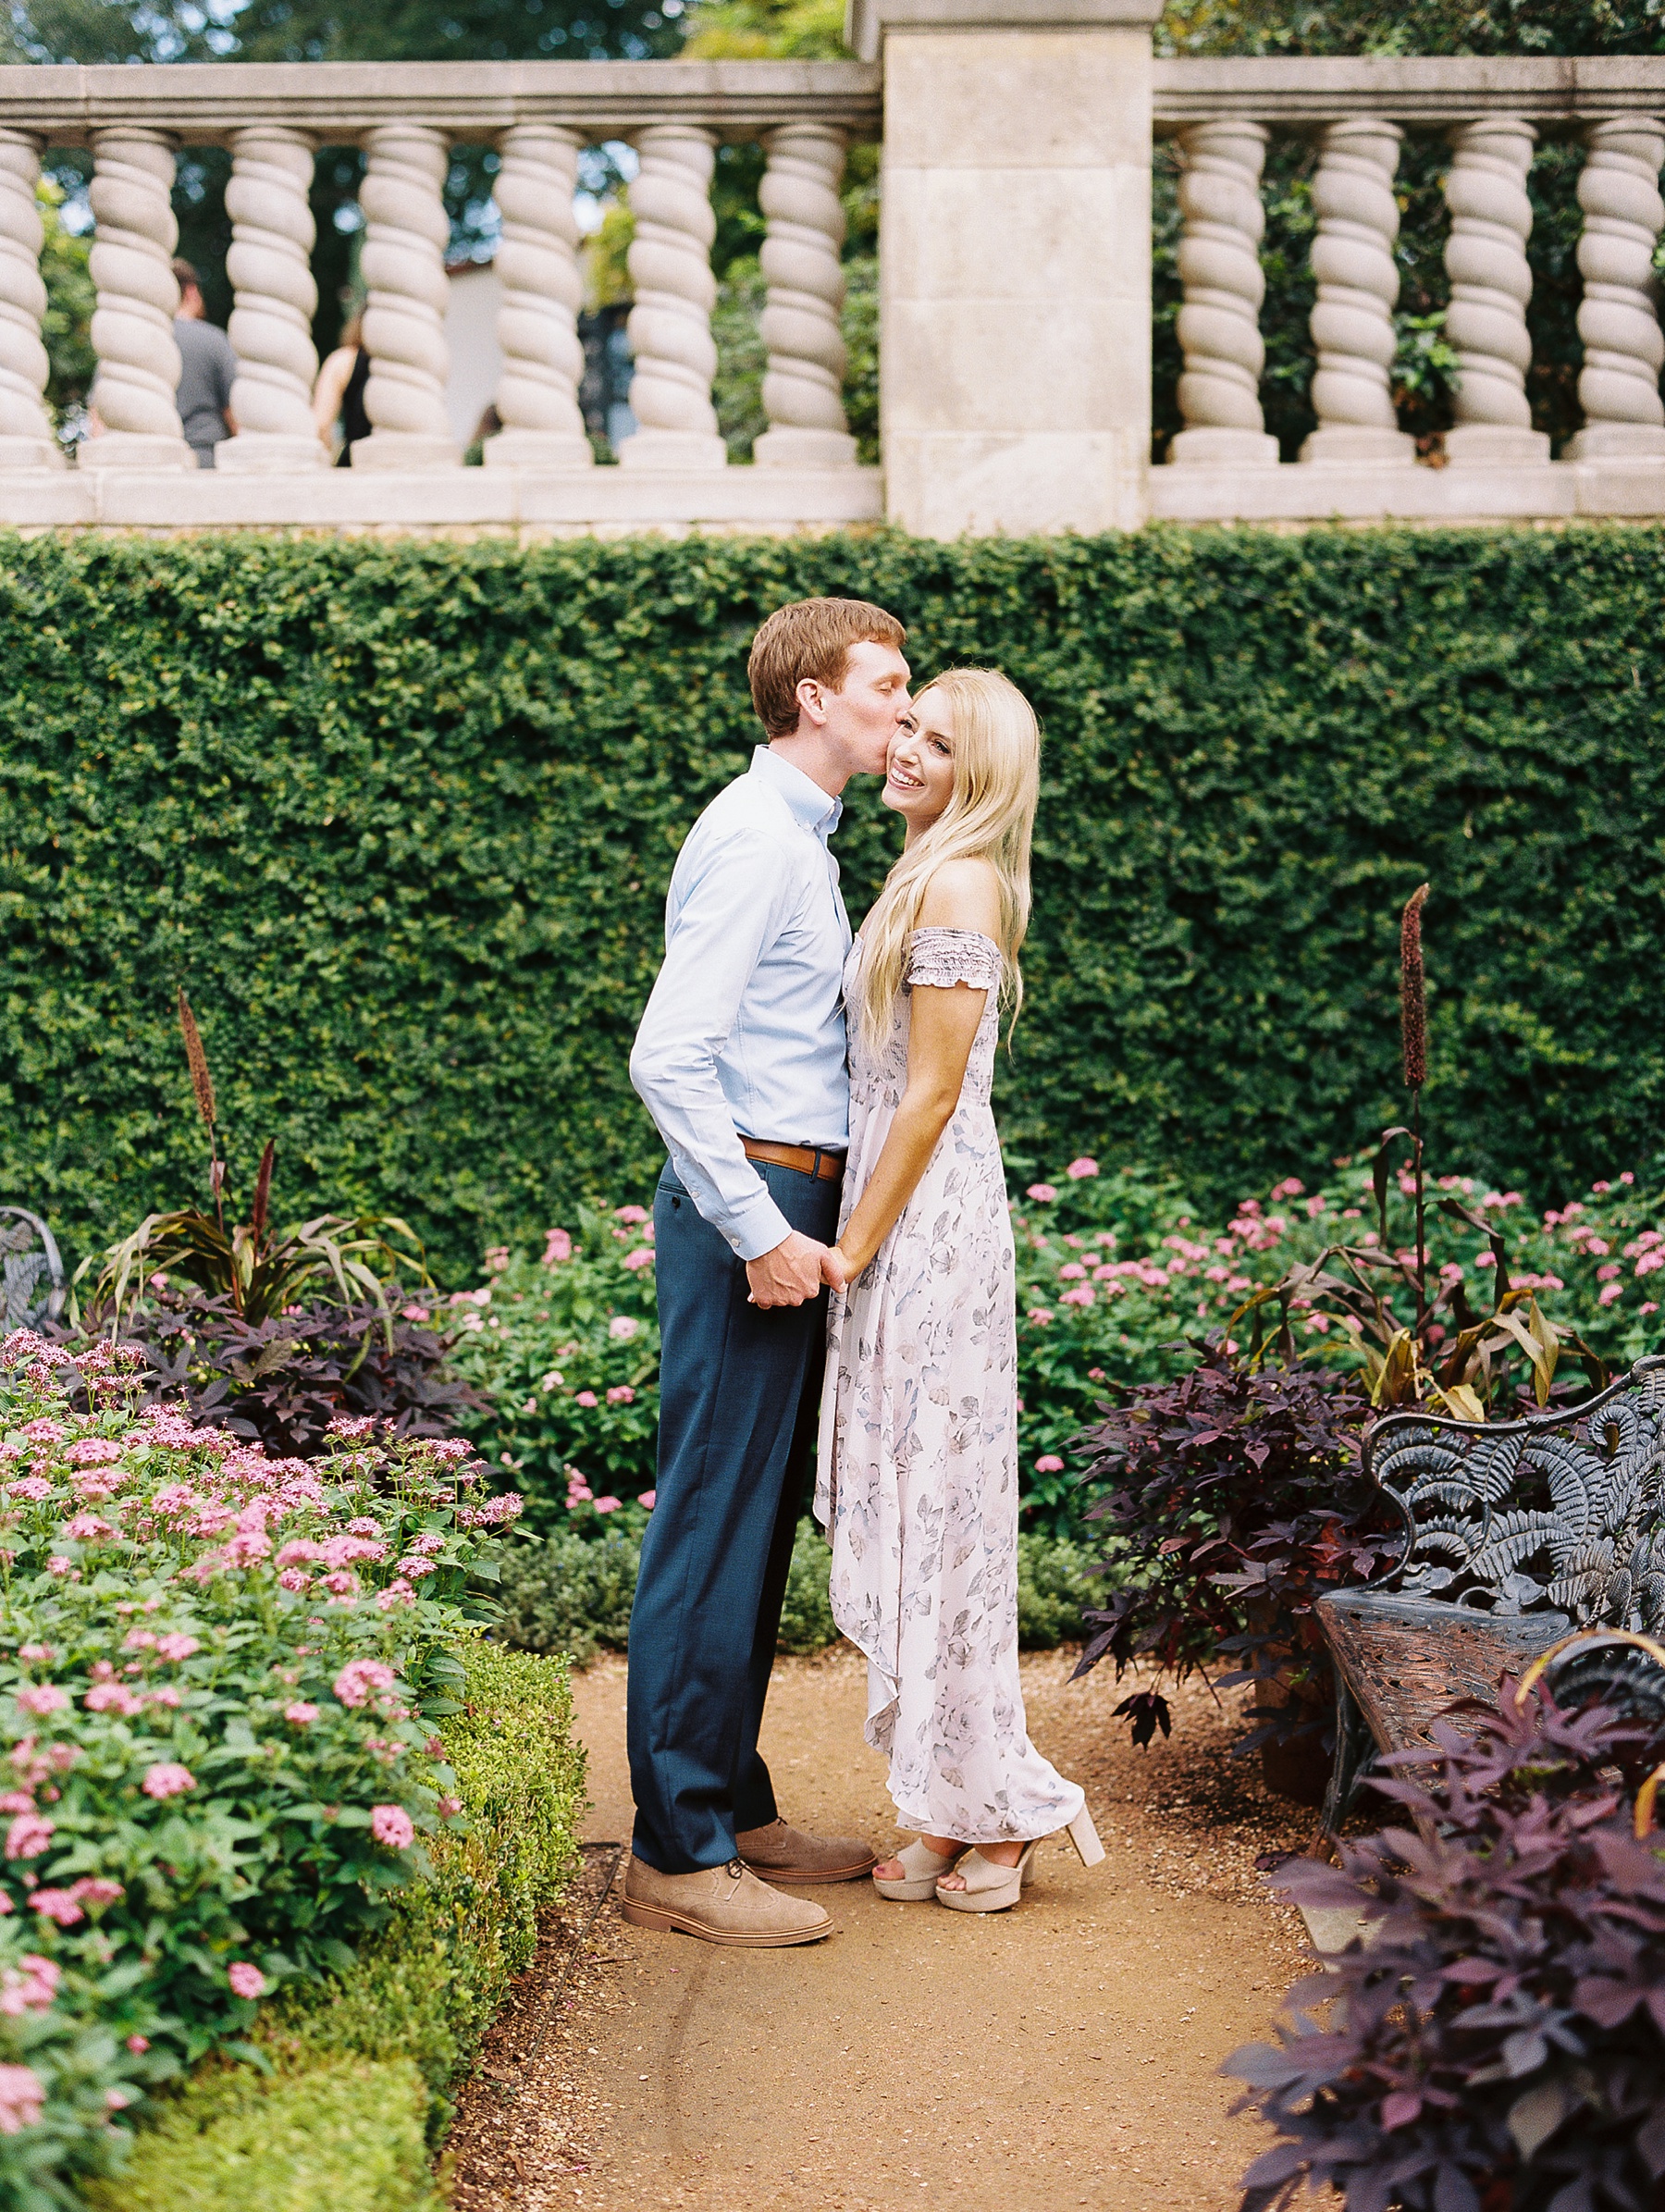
x,y
406,232
537,324
132,324
670,329
1619,386
1015,266
1357,284
803,386
1485,259
27,444
1220,320
270,268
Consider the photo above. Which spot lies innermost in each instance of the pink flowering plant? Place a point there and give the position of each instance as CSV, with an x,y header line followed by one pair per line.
x,y
65,2078
218,1675
1122,1278
565,1344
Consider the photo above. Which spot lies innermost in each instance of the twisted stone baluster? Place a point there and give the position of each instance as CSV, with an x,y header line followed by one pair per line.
x,y
537,324
1357,284
670,329
1219,321
406,232
269,265
803,386
1485,259
1619,386
26,440
133,322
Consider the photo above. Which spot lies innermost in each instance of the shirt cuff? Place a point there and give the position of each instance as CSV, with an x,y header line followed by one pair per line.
x,y
757,1226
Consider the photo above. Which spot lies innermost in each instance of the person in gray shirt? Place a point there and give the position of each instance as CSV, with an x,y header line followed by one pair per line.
x,y
207,365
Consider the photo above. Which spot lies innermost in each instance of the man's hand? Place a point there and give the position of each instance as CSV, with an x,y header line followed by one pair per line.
x,y
789,1274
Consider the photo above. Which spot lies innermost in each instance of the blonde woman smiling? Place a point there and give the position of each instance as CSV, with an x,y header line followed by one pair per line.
x,y
917,1482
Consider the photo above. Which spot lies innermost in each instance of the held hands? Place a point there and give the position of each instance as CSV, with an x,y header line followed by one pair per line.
x,y
837,1270
789,1275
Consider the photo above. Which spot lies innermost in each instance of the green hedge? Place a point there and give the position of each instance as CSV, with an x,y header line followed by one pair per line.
x,y
402,815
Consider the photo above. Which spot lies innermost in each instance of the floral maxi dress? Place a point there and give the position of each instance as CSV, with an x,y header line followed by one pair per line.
x,y
917,1482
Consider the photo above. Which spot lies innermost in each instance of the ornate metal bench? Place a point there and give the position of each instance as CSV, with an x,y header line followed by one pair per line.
x,y
1517,1535
32,1287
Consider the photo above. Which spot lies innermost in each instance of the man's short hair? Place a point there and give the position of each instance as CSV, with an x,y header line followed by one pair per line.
x,y
810,640
185,276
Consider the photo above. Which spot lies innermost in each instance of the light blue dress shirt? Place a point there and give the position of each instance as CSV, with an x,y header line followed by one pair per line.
x,y
745,1032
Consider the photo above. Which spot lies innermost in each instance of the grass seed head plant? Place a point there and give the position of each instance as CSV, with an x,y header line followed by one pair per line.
x,y
1499,2045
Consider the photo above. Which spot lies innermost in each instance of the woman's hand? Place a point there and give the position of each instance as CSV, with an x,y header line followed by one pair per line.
x,y
837,1271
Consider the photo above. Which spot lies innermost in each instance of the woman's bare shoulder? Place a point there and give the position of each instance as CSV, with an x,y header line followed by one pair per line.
x,y
963,894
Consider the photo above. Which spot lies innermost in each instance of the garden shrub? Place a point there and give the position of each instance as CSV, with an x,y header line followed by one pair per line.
x,y
342,2137
1499,2041
1121,1277
281,1382
402,816
214,1788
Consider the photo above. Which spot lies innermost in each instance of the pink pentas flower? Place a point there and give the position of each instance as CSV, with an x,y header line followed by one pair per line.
x,y
608,1505
1081,1171
32,1489
558,1247
1043,1194
96,1889
1071,1271
1049,1464
30,1986
1080,1295
1612,1290
398,1592
17,1800
623,1327
586,1398
23,2096
293,1578
300,1714
621,1394
649,1499
342,1584
390,1824
113,1697
1041,1315
138,2045
416,1566
351,1428
641,1257
58,1905
29,1833
167,1696
448,1807
428,1543
299,1550
168,1779
360,1678
177,1646
42,1698
246,1980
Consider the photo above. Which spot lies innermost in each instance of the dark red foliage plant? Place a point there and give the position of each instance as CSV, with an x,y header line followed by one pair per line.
x,y
1498,2043
1233,1499
282,1381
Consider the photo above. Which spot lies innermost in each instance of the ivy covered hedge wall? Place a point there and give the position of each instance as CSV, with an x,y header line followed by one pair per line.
x,y
401,817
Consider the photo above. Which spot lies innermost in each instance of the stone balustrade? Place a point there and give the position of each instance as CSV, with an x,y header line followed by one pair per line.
x,y
1492,115
1015,272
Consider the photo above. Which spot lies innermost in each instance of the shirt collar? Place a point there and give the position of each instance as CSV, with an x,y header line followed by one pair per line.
x,y
809,804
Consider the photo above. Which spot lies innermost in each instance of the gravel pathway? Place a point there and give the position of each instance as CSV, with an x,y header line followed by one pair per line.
x,y
1063,2054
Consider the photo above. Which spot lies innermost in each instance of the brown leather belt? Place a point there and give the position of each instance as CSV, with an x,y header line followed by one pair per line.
x,y
809,1159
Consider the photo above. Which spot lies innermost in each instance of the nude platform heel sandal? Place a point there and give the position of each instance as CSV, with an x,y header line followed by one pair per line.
x,y
925,1870
991,1888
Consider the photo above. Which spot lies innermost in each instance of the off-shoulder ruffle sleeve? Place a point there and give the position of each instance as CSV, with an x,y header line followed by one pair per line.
x,y
943,958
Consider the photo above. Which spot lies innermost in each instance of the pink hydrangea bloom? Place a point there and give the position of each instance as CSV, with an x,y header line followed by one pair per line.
x,y
623,1327
558,1247
586,1398
300,1714
608,1505
649,1498
641,1257
621,1394
358,1678
168,1779
1043,1194
22,2094
247,1981
96,1889
1049,1464
390,1824
1080,1170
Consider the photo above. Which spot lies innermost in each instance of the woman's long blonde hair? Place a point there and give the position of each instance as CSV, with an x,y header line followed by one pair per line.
x,y
989,817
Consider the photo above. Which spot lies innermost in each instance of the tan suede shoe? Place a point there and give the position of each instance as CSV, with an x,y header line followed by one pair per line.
x,y
783,1854
720,1904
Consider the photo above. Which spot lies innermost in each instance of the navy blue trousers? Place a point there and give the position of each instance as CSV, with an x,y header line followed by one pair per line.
x,y
739,1390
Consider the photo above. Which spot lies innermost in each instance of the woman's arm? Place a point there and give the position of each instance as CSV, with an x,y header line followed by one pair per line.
x,y
331,388
964,894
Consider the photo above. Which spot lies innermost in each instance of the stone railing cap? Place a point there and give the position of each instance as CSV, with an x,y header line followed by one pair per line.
x,y
866,22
